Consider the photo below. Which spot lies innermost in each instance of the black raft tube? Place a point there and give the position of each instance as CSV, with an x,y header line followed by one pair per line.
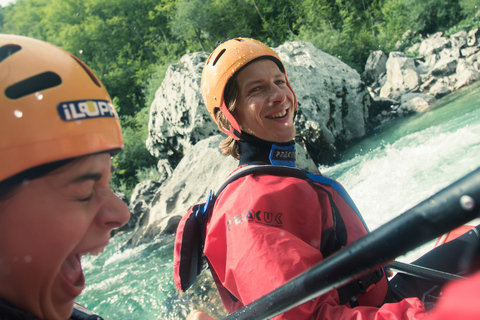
x,y
446,210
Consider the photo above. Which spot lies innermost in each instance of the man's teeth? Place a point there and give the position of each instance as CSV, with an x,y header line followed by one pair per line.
x,y
278,115
95,252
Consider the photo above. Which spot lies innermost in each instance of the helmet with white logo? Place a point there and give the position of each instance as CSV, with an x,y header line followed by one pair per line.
x,y
52,107
224,63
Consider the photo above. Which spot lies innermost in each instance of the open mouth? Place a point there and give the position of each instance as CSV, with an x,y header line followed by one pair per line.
x,y
72,272
73,279
278,115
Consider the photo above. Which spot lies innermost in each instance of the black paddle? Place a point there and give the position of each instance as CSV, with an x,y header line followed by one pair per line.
x,y
432,275
448,209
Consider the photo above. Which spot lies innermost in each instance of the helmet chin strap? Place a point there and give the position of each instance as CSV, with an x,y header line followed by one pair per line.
x,y
234,132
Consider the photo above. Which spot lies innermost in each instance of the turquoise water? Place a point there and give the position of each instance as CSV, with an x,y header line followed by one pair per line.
x,y
130,284
408,161
386,174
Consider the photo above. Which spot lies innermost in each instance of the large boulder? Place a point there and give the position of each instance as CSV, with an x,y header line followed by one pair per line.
x,y
459,39
444,67
466,74
416,102
178,117
333,100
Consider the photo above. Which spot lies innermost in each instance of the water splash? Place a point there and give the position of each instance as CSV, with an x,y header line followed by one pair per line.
x,y
395,170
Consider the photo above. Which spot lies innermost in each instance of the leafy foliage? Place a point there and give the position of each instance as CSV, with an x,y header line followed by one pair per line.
x,y
428,16
130,43
134,157
470,7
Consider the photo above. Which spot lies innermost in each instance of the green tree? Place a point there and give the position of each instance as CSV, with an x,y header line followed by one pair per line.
x,y
277,20
134,156
346,29
192,21
393,23
429,16
2,10
470,7
25,18
201,23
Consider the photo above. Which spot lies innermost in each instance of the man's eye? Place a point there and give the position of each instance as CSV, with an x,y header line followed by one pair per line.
x,y
88,198
255,89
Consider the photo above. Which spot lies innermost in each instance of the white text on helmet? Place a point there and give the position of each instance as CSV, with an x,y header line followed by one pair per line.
x,y
85,109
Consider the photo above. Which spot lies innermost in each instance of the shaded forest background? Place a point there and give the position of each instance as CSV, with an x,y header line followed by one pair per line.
x,y
129,44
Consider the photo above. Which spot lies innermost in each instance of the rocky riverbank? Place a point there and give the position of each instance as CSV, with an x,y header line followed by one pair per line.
x,y
411,81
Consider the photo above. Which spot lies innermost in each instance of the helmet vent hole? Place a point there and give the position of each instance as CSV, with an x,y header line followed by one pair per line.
x,y
88,71
219,56
33,84
8,50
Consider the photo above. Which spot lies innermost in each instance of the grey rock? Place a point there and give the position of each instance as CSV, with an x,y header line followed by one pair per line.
x,y
375,66
144,190
436,87
434,44
469,51
416,102
450,53
472,38
444,67
178,117
333,100
459,39
466,77
402,76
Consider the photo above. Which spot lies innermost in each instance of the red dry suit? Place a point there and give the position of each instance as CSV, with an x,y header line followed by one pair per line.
x,y
266,229
459,300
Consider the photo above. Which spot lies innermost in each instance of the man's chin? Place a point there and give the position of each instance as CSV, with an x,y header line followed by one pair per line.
x,y
61,310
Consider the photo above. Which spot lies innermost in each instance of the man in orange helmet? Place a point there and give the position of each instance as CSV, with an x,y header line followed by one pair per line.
x,y
265,229
58,132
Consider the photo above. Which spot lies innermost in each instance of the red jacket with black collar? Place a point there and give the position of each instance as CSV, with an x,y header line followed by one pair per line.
x,y
267,229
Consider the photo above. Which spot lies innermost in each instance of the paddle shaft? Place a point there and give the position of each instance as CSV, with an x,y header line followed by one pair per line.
x,y
423,272
448,209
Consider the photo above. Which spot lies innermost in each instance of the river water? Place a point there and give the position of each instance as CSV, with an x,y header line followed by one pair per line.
x,y
395,168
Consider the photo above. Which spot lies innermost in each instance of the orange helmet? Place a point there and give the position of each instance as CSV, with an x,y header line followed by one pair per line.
x,y
52,107
225,62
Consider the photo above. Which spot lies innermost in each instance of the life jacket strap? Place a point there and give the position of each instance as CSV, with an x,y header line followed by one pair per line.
x,y
348,293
